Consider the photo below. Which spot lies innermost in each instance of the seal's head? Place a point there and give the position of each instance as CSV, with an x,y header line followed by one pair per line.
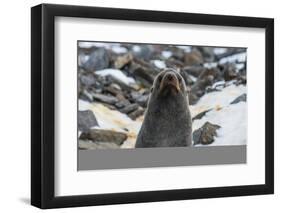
x,y
169,82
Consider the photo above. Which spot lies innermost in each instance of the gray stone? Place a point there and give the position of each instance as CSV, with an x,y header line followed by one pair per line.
x,y
105,98
200,115
242,97
98,60
135,114
89,145
104,136
205,135
129,108
86,120
193,58
87,80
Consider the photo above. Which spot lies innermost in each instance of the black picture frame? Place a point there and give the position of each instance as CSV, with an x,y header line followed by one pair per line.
x,y
43,105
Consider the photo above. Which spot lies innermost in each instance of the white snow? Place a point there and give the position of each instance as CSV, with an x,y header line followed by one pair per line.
x,y
118,49
159,64
84,105
82,58
218,85
185,48
166,54
85,44
240,57
193,78
233,122
231,117
220,50
136,48
239,66
210,65
116,74
88,44
217,100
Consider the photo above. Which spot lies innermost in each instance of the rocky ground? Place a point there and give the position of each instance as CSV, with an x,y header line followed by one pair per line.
x,y
114,82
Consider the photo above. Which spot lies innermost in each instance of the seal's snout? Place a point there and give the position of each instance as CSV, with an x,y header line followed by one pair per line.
x,y
170,79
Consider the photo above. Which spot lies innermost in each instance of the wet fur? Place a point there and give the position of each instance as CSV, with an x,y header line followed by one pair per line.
x,y
167,121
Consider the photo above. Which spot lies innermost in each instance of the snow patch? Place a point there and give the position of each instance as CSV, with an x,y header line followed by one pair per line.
x,y
218,99
193,78
185,48
240,57
166,54
239,66
159,64
136,49
233,122
84,105
85,44
116,74
220,50
82,58
118,49
210,65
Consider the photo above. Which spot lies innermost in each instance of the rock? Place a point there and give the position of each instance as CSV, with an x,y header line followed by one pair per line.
x,y
242,79
88,80
145,75
177,53
192,98
123,60
188,80
193,58
200,115
205,135
139,98
85,95
229,71
135,114
129,108
121,84
242,97
142,52
208,53
103,135
122,103
115,90
194,70
215,72
86,120
89,145
105,98
199,87
174,63
98,60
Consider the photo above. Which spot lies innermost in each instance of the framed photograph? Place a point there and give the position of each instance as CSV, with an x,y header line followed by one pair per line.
x,y
139,106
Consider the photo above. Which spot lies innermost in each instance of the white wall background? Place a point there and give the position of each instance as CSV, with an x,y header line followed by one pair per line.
x,y
15,105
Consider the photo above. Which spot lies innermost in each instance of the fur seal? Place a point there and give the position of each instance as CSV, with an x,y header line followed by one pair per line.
x,y
167,121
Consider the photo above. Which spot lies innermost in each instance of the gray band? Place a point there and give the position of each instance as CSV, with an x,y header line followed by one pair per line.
x,y
160,157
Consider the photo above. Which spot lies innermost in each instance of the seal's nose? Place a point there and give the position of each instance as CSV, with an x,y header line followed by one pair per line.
x,y
170,76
